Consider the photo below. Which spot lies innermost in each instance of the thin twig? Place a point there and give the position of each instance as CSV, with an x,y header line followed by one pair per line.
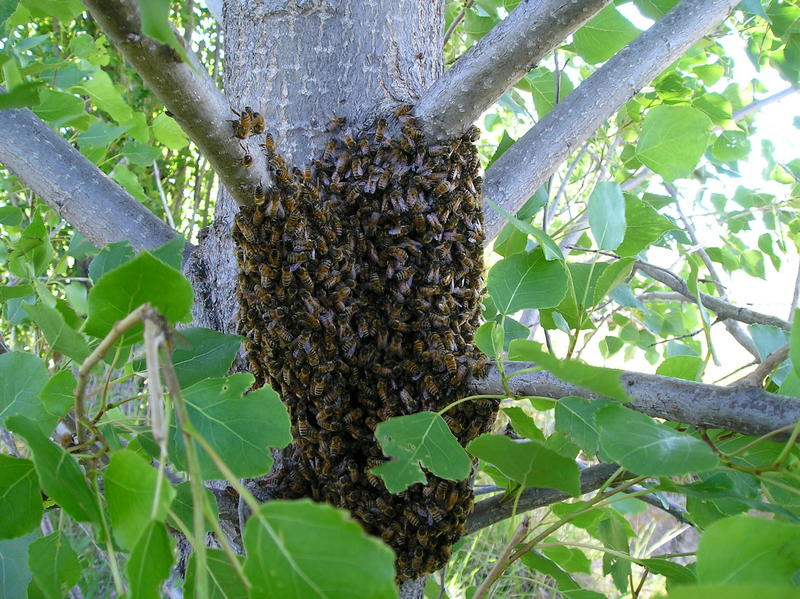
x,y
457,21
733,327
770,363
117,330
504,560
164,204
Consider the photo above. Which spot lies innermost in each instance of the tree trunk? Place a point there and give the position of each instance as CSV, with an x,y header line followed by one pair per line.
x,y
301,63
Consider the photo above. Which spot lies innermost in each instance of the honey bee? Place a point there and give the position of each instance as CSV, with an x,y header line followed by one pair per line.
x,y
412,132
349,141
380,130
450,364
269,145
363,146
336,123
247,231
247,159
258,124
243,125
355,167
383,180
473,134
441,189
403,110
294,222
430,385
286,276
330,147
308,173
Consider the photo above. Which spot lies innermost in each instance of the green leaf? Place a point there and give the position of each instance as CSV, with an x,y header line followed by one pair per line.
x,y
604,35
641,445
20,497
675,573
22,377
688,368
61,337
105,96
604,381
306,550
130,490
54,565
150,562
59,107
169,133
644,226
539,563
57,397
606,210
182,506
129,181
59,474
575,420
529,463
672,140
14,572
100,135
544,88
110,257
155,24
63,10
654,9
7,8
749,550
419,439
140,154
572,559
10,216
20,96
550,247
210,354
31,253
224,582
241,429
477,26
730,146
523,424
171,253
731,591
489,339
145,279
527,280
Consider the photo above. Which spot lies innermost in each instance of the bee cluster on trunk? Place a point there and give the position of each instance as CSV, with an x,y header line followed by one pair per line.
x,y
360,289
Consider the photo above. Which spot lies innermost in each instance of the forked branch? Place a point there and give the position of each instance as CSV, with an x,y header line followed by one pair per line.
x,y
498,61
516,175
188,93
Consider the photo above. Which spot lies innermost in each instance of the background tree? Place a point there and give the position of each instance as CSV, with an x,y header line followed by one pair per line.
x,y
620,116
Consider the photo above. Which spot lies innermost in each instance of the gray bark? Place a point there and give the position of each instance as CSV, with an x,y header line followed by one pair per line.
x,y
76,189
323,59
743,408
189,93
519,172
498,61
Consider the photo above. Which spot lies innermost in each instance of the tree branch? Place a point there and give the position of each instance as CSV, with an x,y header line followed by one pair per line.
x,y
744,409
76,189
500,59
188,93
516,175
498,508
722,308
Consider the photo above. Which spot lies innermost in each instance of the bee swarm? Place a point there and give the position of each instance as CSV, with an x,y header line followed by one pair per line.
x,y
360,290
